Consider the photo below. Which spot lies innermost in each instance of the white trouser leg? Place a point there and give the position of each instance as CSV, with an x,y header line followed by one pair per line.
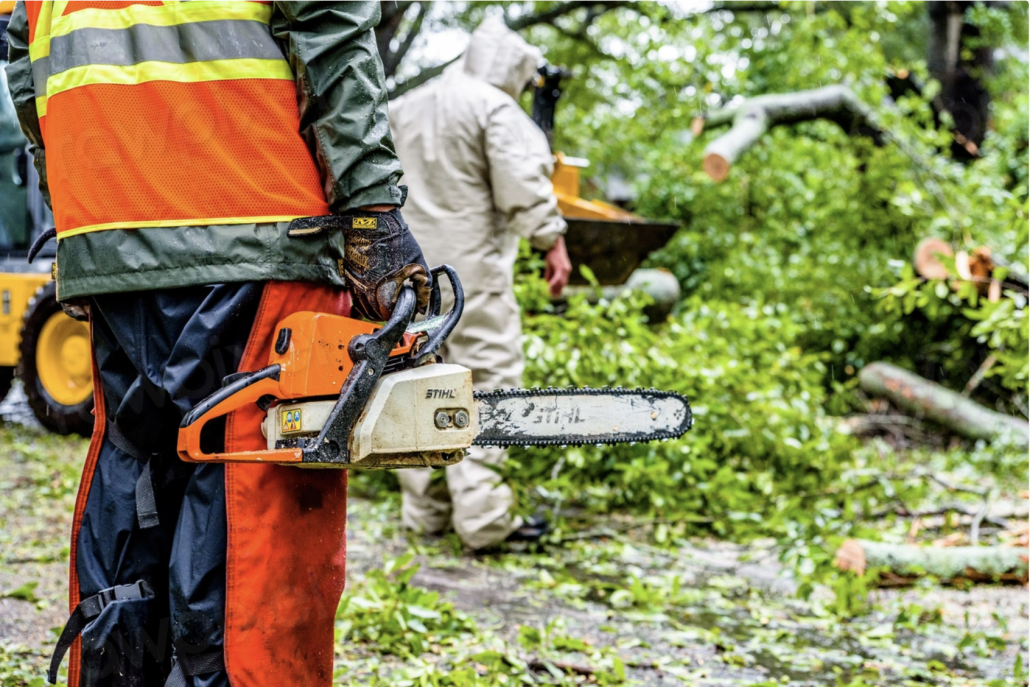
x,y
487,341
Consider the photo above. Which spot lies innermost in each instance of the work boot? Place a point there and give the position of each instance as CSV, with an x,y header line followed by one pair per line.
x,y
533,528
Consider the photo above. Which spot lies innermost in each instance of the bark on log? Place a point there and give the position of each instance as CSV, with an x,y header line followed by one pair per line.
x,y
905,562
924,398
755,116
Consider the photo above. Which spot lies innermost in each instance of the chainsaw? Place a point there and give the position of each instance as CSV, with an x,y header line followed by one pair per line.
x,y
345,393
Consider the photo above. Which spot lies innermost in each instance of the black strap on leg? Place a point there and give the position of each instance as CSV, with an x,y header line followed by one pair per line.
x,y
146,502
88,609
195,664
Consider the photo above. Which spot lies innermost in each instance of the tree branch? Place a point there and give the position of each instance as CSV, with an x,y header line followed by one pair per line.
x,y
516,24
409,38
420,78
754,117
392,15
548,16
744,7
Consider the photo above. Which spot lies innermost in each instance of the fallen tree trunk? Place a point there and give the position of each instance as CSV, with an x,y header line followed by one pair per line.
x,y
755,116
902,563
924,398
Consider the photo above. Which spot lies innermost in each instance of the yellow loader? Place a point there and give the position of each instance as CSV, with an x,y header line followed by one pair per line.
x,y
39,344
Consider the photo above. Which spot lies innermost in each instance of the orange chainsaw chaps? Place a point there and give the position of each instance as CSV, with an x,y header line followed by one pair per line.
x,y
99,425
285,564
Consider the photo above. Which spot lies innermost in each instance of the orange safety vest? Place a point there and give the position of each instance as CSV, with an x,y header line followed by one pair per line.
x,y
167,114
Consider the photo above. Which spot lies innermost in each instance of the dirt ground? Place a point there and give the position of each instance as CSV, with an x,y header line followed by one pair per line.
x,y
699,613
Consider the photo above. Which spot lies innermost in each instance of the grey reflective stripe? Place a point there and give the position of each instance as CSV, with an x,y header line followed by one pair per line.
x,y
40,72
223,39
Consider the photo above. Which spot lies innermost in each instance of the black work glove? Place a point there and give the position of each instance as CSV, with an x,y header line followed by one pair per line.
x,y
380,254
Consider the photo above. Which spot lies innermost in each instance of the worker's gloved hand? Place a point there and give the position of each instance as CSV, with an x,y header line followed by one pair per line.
x,y
380,254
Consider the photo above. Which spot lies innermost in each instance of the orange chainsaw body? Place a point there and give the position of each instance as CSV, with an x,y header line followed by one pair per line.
x,y
311,352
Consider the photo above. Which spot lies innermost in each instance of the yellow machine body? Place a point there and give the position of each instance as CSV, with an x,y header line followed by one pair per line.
x,y
16,290
565,180
62,347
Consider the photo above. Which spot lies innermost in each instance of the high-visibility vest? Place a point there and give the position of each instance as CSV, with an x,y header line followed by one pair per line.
x,y
167,114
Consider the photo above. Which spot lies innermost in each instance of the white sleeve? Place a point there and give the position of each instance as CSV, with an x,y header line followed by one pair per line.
x,y
520,176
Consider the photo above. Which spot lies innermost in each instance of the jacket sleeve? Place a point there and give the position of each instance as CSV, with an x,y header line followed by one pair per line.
x,y
520,175
341,90
23,92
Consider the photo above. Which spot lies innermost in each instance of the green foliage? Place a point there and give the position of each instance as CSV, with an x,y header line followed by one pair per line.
x,y
757,398
393,616
811,215
26,592
20,666
1000,326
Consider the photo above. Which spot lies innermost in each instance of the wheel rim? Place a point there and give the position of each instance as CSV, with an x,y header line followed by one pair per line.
x,y
62,360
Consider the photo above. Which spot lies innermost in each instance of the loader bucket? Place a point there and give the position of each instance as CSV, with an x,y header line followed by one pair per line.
x,y
612,249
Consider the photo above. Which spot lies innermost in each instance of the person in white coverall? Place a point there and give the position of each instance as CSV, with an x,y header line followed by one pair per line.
x,y
478,175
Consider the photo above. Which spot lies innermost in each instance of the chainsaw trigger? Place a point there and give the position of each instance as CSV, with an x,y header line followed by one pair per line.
x,y
234,377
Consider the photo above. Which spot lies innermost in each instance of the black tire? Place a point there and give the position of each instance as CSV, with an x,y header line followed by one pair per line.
x,y
59,418
6,377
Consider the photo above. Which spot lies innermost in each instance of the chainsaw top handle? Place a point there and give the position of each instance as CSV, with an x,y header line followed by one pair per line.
x,y
436,326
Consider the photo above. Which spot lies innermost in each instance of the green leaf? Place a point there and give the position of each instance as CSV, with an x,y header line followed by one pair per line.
x,y
25,592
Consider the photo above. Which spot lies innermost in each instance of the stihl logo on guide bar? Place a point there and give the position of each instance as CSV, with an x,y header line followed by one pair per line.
x,y
439,393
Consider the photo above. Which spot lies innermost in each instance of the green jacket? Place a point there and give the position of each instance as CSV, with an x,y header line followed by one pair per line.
x,y
341,90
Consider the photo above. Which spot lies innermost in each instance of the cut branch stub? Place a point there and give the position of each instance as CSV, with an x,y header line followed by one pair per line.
x,y
927,263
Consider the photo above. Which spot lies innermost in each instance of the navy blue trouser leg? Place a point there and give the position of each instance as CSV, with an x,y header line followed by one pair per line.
x,y
159,353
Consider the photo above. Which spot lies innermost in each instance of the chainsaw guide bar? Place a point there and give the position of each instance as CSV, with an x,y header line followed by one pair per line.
x,y
579,417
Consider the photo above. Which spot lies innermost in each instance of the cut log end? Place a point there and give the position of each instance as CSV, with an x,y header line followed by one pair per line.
x,y
716,167
850,556
927,264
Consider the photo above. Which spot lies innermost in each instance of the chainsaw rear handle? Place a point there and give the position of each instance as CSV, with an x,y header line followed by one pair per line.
x,y
368,352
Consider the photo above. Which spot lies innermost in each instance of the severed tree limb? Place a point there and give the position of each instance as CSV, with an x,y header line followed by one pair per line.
x,y
902,563
924,398
755,116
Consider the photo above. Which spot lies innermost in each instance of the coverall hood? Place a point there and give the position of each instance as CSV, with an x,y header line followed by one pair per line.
x,y
500,57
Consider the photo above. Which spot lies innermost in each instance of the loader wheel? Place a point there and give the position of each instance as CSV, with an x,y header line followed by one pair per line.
x,y
55,365
6,377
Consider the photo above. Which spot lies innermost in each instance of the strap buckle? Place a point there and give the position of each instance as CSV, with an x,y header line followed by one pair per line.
x,y
125,592
88,609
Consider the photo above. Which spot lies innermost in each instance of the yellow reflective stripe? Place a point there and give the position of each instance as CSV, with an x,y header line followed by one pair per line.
x,y
41,107
59,7
172,223
164,15
191,72
40,46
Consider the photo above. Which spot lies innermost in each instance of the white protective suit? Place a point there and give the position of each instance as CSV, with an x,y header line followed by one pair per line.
x,y
478,175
